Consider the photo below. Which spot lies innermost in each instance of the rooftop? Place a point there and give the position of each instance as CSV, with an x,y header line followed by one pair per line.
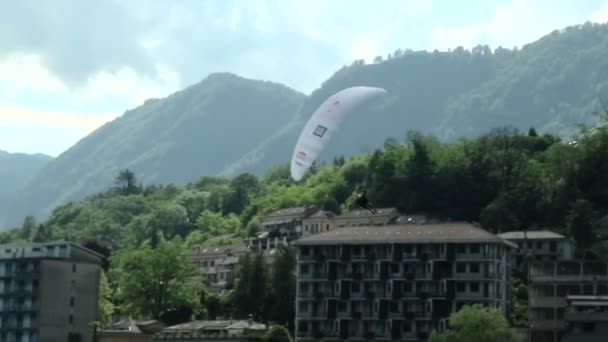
x,y
38,249
291,211
216,325
452,232
222,250
367,213
533,234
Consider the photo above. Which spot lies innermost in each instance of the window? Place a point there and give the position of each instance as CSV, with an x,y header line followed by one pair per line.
x,y
474,287
474,249
461,249
553,246
461,268
71,301
460,287
73,267
395,268
73,284
304,269
588,327
474,268
71,319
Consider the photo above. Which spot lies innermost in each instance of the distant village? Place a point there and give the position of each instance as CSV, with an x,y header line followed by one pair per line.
x,y
360,277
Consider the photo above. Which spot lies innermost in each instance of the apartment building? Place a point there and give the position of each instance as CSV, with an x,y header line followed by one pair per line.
x,y
540,245
216,264
396,282
48,292
586,319
321,221
550,284
281,227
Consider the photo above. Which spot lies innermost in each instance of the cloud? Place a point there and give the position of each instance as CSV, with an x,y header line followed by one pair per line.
x,y
601,16
514,24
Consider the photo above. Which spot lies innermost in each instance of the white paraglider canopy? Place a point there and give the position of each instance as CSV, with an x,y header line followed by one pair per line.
x,y
326,120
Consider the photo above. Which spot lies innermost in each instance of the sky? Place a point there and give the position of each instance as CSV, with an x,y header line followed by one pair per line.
x,y
69,66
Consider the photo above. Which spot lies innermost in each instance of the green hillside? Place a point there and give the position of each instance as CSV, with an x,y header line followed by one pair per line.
x,y
227,125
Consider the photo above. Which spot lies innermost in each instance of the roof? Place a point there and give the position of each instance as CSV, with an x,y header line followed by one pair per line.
x,y
323,214
366,213
22,246
532,235
131,326
295,211
454,232
197,250
215,325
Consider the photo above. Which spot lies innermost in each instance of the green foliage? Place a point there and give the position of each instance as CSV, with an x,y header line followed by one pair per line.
x,y
474,323
278,333
283,287
106,307
152,281
519,314
460,93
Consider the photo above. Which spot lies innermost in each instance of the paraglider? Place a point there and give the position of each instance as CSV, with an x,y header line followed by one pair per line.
x,y
363,202
324,121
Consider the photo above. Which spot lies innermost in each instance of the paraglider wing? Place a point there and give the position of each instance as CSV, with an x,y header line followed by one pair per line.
x,y
324,121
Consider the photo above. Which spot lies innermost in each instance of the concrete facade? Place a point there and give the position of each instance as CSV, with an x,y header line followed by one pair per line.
x,y
396,282
48,292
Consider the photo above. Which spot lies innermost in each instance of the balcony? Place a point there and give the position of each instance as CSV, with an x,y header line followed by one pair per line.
x,y
547,302
576,316
547,324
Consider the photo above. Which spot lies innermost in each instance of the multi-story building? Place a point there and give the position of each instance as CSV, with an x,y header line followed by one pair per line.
x,y
396,282
587,319
48,292
321,221
540,245
364,217
550,284
216,264
281,227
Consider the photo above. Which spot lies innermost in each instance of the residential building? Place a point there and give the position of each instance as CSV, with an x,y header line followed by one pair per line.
x,y
550,284
396,282
364,217
321,221
217,264
48,292
130,330
217,330
587,319
281,227
540,245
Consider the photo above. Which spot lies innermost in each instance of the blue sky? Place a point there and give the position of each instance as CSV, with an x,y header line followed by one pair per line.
x,y
67,67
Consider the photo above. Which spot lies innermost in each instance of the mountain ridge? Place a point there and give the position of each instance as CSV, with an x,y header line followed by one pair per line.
x,y
227,124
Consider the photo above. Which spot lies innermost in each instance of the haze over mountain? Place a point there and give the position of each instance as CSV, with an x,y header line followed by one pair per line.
x,y
227,124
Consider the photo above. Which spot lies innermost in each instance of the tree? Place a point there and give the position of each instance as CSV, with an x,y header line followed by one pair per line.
x,y
126,181
106,307
152,281
42,234
474,323
283,287
28,228
278,333
251,292
579,223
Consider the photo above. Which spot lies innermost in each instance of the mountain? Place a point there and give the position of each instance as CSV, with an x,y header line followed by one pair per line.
x,y
552,84
16,170
227,124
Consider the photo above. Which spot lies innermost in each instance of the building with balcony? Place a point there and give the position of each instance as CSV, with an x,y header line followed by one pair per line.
x,y
217,264
281,227
48,292
550,284
396,282
586,318
540,245
321,221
